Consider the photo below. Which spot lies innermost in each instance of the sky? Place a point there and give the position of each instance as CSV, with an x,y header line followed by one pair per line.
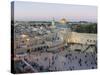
x,y
32,11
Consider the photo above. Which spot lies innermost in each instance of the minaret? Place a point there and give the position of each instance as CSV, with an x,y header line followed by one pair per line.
x,y
53,23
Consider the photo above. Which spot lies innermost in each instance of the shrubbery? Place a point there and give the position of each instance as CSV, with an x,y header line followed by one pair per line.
x,y
86,28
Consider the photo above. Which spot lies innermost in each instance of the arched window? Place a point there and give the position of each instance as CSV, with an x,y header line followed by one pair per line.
x,y
87,40
90,40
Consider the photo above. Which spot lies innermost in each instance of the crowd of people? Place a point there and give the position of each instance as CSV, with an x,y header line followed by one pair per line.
x,y
47,62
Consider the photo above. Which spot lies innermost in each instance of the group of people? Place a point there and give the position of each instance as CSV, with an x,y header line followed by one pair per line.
x,y
62,61
69,61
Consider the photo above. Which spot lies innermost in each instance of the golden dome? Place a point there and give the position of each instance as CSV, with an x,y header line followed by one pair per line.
x,y
63,21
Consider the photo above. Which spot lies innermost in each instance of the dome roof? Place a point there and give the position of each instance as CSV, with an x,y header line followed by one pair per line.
x,y
63,21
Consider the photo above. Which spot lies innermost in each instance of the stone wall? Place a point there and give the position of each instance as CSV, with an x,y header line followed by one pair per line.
x,y
82,38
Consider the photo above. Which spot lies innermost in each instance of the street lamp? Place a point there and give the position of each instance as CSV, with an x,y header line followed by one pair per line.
x,y
27,39
28,45
23,35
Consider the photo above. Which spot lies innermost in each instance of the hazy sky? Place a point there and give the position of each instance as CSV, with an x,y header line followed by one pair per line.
x,y
46,11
